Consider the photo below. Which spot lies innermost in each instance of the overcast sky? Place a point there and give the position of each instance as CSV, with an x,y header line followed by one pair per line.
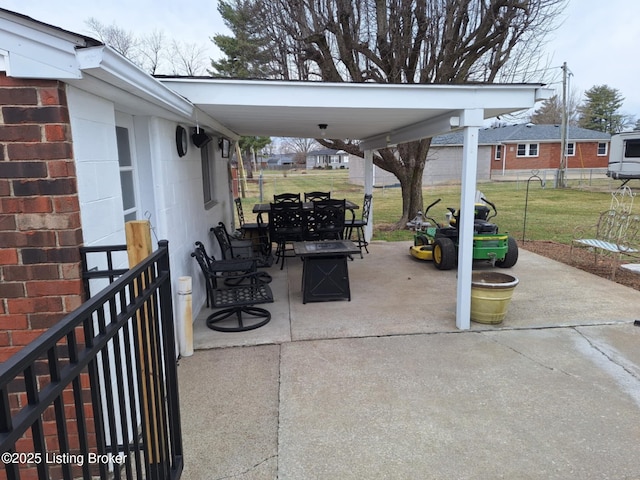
x,y
598,39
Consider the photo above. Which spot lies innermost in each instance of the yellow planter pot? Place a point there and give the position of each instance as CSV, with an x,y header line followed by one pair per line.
x,y
491,293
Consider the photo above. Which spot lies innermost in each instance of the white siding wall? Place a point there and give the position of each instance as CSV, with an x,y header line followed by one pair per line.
x,y
96,155
169,186
181,216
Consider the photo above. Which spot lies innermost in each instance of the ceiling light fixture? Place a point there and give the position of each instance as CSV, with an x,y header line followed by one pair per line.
x,y
323,129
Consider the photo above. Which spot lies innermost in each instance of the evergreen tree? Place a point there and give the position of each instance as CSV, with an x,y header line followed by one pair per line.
x,y
246,50
601,110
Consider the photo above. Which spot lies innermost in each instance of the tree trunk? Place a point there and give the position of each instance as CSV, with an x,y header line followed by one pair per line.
x,y
406,162
409,169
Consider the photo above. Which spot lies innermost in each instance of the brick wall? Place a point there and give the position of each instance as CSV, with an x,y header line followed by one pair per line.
x,y
39,212
39,225
586,156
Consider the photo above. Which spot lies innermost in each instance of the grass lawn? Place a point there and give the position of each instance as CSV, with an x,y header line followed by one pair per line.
x,y
552,214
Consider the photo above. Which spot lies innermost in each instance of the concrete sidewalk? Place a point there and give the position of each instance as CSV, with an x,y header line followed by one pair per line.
x,y
386,387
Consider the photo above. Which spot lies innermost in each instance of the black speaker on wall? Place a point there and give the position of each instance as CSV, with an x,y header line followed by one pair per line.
x,y
200,138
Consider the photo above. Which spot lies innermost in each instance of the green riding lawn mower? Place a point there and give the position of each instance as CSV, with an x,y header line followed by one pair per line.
x,y
438,242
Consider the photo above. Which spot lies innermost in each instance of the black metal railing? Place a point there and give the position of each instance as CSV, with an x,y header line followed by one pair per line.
x,y
96,395
104,253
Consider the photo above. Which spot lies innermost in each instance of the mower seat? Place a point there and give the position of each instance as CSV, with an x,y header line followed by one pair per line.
x,y
482,226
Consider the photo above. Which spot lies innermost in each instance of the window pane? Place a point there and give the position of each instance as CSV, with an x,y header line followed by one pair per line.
x,y
124,152
522,149
129,217
533,150
128,196
602,149
632,149
570,148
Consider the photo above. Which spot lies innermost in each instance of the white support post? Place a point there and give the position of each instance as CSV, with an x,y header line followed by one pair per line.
x,y
368,188
471,121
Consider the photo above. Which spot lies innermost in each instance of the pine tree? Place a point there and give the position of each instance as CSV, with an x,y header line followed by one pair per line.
x,y
601,110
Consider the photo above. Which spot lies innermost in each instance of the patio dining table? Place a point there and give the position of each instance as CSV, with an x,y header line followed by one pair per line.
x,y
265,207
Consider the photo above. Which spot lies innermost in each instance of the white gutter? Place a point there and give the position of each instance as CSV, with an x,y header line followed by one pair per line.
x,y
105,64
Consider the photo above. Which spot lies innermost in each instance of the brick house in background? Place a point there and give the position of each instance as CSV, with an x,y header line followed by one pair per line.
x,y
505,150
537,147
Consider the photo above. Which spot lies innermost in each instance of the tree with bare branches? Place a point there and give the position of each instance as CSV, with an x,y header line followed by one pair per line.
x,y
550,111
151,52
398,41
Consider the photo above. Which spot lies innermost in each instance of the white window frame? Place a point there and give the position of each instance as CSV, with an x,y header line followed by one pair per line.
x,y
570,149
528,150
125,124
498,153
606,149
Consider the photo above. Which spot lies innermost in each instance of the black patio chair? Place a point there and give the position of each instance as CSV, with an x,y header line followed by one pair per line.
x,y
316,196
359,224
328,220
286,224
240,248
234,287
250,230
231,267
287,198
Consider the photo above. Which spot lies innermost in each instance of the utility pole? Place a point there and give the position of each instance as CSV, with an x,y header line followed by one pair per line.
x,y
562,172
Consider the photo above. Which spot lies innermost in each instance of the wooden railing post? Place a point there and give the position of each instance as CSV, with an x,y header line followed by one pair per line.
x,y
139,247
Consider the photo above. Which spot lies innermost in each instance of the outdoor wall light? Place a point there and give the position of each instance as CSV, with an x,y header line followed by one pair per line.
x,y
224,144
200,138
323,129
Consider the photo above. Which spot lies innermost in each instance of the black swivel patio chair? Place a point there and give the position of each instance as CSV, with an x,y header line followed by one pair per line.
x,y
230,267
359,224
234,287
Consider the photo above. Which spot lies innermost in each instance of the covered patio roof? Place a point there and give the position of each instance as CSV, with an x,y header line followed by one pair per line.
x,y
376,114
379,115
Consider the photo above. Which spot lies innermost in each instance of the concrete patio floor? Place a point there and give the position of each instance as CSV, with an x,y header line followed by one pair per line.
x,y
386,387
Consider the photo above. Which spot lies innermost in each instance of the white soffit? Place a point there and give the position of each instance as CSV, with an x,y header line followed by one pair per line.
x,y
373,113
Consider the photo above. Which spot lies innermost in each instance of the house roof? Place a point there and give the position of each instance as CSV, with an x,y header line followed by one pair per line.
x,y
326,151
524,132
377,114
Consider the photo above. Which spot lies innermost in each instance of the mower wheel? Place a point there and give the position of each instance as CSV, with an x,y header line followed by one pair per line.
x,y
444,254
421,240
511,257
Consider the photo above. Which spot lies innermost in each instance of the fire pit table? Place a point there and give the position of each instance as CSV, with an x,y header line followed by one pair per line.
x,y
325,275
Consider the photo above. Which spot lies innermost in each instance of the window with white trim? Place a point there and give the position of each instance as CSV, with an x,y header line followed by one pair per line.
x,y
127,180
527,150
603,148
571,149
498,154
